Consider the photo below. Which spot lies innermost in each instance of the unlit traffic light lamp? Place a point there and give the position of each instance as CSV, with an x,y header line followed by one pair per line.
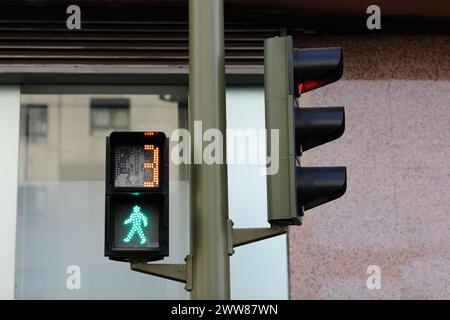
x,y
137,196
289,72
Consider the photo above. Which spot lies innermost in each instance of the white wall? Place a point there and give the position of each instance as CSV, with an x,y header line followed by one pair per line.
x,y
258,270
9,144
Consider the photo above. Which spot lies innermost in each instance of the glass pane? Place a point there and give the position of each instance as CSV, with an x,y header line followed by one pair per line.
x,y
61,207
36,122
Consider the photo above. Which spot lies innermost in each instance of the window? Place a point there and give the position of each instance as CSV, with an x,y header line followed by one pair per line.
x,y
36,125
109,114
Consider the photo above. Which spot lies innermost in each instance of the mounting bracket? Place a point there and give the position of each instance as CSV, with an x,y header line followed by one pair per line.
x,y
241,236
176,272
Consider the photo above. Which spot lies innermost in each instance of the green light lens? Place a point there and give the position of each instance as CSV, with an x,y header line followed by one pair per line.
x,y
137,220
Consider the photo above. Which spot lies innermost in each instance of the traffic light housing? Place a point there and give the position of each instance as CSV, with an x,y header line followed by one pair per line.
x,y
289,72
137,196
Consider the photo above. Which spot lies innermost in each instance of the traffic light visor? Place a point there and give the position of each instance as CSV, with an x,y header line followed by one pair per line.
x,y
318,185
314,68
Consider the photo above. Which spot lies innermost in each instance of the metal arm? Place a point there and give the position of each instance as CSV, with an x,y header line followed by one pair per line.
x,y
176,272
241,236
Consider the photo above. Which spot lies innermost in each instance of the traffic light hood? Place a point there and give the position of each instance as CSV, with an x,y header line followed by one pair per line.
x,y
318,185
314,68
316,126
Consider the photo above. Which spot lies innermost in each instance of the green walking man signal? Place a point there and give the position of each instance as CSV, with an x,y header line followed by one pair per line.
x,y
137,218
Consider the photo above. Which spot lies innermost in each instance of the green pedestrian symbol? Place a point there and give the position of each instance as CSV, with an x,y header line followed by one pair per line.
x,y
137,219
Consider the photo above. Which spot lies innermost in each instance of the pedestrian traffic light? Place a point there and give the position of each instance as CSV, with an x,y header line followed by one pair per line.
x,y
289,72
137,196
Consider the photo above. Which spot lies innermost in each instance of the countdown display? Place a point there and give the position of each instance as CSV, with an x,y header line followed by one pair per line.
x,y
136,166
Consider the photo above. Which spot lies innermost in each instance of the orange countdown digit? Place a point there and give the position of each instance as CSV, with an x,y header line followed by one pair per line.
x,y
152,166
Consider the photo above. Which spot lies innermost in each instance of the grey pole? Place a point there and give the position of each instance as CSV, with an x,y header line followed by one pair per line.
x,y
208,190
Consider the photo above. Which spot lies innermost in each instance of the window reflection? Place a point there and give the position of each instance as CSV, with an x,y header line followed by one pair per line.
x,y
35,122
109,114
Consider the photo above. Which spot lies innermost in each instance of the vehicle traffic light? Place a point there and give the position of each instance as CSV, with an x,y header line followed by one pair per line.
x,y
289,72
137,196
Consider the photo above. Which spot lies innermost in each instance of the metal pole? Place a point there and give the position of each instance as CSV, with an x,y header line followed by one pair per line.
x,y
209,198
